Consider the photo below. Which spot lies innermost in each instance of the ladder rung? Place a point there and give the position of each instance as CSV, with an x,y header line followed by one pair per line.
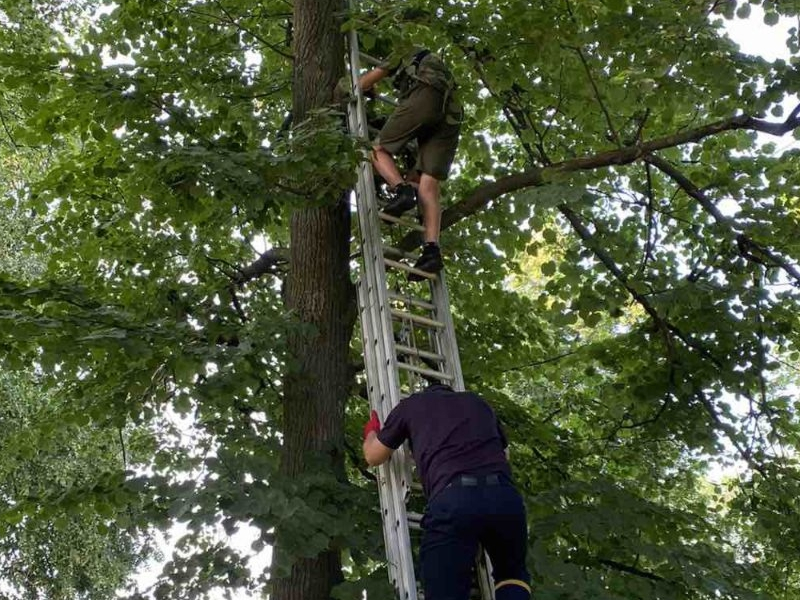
x,y
398,221
404,267
425,372
385,99
402,315
376,62
389,250
418,302
417,352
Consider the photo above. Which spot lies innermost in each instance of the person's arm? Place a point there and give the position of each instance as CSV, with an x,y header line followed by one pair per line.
x,y
370,78
375,452
380,443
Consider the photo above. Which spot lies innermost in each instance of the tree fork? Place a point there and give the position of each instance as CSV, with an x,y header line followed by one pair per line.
x,y
319,292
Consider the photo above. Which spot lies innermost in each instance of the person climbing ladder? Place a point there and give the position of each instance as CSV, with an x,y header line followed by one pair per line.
x,y
458,447
428,112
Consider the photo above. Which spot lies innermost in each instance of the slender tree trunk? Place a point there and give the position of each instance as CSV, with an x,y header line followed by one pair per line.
x,y
320,293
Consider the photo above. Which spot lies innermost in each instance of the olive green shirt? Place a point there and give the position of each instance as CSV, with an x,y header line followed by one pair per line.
x,y
419,66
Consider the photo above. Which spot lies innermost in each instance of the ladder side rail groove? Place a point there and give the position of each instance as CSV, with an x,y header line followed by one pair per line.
x,y
484,575
389,516
385,396
447,338
375,301
382,380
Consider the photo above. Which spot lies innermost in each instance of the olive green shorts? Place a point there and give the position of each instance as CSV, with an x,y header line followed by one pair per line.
x,y
423,116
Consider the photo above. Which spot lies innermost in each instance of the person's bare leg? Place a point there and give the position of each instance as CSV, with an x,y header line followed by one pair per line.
x,y
431,211
431,258
384,165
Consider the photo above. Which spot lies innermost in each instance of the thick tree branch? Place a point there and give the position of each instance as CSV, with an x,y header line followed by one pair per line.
x,y
489,191
272,262
688,187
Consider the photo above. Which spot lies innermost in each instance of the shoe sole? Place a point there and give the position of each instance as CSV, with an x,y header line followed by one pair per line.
x,y
415,277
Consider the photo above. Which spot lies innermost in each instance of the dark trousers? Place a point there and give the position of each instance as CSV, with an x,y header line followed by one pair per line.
x,y
459,518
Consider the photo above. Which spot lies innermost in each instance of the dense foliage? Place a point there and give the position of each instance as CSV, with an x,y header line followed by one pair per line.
x,y
621,243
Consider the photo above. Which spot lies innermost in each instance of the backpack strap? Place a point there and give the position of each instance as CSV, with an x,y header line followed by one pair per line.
x,y
406,76
418,58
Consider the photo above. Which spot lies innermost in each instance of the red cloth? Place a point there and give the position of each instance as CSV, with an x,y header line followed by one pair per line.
x,y
372,425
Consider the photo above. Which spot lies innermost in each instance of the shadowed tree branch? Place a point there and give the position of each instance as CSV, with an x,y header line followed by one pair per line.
x,y
745,243
618,566
612,131
668,330
609,263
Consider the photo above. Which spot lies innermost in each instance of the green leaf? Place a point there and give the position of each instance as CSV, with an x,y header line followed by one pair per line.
x,y
743,11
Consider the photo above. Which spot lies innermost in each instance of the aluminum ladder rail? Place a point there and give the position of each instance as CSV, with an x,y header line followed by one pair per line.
x,y
378,308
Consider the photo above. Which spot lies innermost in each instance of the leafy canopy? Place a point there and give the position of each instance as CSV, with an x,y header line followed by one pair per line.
x,y
621,245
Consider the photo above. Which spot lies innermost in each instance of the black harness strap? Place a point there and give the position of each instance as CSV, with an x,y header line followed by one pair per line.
x,y
419,57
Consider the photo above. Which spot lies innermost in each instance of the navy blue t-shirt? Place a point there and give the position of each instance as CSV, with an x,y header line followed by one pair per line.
x,y
450,433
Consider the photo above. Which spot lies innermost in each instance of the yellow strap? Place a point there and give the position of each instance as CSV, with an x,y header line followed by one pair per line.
x,y
518,582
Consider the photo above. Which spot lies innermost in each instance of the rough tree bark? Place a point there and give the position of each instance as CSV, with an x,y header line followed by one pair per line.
x,y
319,292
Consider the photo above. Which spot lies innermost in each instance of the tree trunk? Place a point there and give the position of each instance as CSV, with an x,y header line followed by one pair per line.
x,y
319,292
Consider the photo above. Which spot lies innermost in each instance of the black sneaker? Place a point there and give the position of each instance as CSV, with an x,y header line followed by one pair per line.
x,y
429,261
405,198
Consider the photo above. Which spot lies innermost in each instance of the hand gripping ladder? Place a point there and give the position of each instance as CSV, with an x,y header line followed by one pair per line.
x,y
392,322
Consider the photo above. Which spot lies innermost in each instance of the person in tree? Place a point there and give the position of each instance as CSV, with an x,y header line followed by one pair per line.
x,y
429,113
461,455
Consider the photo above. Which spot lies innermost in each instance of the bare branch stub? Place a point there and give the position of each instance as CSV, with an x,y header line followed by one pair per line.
x,y
271,262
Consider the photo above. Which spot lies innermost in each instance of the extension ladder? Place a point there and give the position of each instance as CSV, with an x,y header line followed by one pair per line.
x,y
402,332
